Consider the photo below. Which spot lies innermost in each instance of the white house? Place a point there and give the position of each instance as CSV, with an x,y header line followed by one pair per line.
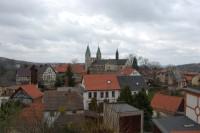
x,y
192,107
102,87
188,123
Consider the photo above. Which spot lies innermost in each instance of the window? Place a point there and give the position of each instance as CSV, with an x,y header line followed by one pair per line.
x,y
113,93
102,94
95,94
89,95
106,94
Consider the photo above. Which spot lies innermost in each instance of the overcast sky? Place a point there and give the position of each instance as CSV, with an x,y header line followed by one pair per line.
x,y
167,31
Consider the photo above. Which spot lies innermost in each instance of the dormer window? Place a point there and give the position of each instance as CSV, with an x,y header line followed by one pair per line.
x,y
108,82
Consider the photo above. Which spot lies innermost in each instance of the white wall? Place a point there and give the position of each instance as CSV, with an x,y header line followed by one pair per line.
x,y
86,99
193,107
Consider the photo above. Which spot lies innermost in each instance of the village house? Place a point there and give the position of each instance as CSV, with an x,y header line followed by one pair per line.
x,y
77,69
100,86
188,123
26,75
58,103
123,118
27,94
192,107
128,71
189,76
196,80
106,87
165,105
135,83
46,76
97,65
172,77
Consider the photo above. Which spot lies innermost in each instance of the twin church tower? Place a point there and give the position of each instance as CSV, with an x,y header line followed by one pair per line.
x,y
89,59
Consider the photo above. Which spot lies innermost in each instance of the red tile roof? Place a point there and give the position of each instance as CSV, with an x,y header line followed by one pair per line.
x,y
61,68
32,91
166,103
76,68
127,71
101,82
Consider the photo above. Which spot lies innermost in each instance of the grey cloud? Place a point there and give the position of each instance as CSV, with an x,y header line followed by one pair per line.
x,y
58,31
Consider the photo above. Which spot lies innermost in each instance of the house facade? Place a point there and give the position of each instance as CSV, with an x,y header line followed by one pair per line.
x,y
46,76
192,107
27,94
172,77
26,75
102,87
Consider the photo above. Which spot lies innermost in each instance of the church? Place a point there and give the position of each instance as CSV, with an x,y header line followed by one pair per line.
x,y
96,64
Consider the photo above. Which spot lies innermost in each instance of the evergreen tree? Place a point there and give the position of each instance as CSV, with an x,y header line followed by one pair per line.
x,y
58,82
142,102
135,63
69,75
126,96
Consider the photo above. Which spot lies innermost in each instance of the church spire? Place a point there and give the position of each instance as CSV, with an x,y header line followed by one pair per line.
x,y
98,55
88,53
117,55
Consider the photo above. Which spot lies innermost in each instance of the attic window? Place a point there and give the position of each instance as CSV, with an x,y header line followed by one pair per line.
x,y
108,82
189,125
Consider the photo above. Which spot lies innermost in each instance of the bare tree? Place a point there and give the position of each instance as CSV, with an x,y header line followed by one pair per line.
x,y
74,60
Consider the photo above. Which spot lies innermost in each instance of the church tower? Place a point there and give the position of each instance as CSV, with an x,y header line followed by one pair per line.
x,y
98,55
87,58
117,55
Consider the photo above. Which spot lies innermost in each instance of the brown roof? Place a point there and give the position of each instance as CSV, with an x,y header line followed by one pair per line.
x,y
76,68
127,71
55,100
166,103
31,90
101,82
61,68
32,113
23,72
